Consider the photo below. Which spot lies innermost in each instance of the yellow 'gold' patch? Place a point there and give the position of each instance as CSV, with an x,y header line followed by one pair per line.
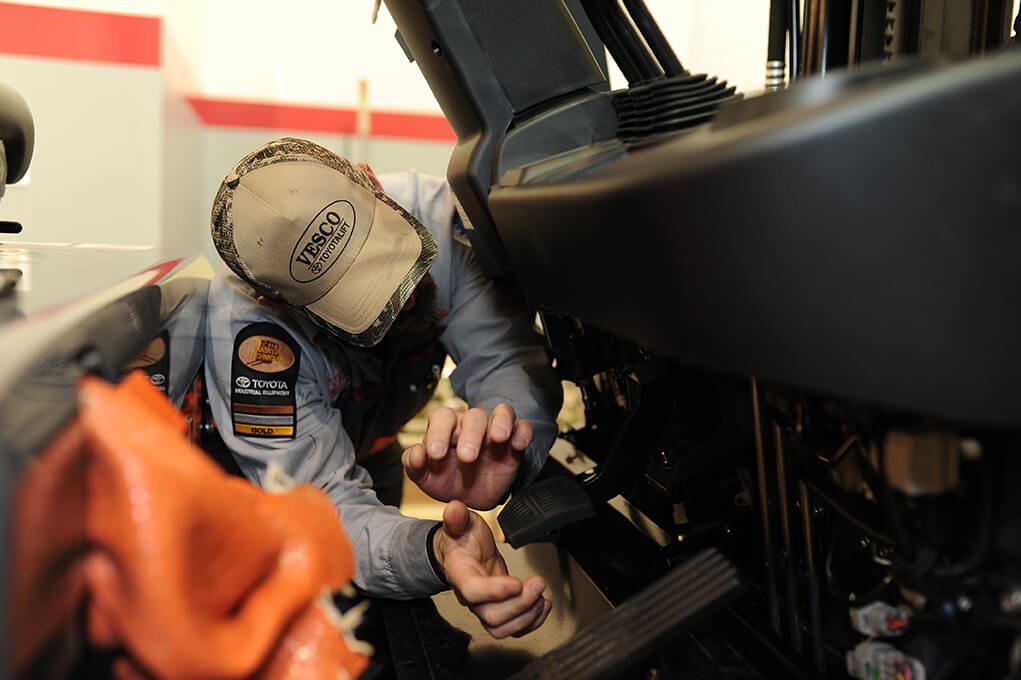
x,y
264,430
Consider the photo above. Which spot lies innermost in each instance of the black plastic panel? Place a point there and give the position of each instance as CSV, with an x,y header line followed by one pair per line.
x,y
17,135
487,63
863,243
8,473
36,406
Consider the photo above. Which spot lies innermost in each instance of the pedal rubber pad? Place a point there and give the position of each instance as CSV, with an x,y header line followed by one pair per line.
x,y
536,512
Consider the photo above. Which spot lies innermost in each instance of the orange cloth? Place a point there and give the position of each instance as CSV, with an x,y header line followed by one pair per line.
x,y
194,573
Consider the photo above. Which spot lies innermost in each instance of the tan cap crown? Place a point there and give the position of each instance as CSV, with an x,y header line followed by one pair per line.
x,y
308,228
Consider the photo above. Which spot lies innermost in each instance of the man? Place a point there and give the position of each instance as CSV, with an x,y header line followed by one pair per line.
x,y
330,335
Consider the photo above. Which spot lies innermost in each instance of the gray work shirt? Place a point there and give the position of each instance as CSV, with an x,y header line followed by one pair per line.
x,y
488,333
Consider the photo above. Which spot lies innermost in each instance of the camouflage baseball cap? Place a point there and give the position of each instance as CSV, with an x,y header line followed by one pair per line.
x,y
309,229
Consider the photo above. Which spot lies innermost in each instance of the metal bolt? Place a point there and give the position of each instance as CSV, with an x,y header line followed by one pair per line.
x,y
971,449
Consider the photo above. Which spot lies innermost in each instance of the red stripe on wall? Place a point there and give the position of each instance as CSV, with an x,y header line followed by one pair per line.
x,y
411,126
79,35
337,120
226,113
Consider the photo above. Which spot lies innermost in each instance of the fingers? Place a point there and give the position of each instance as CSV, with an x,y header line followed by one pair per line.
x,y
466,549
372,176
526,623
501,423
516,615
441,425
479,583
475,431
547,607
416,462
523,434
457,519
472,435
478,575
479,591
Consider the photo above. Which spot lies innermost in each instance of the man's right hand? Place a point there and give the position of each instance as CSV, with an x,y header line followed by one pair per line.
x,y
476,571
472,457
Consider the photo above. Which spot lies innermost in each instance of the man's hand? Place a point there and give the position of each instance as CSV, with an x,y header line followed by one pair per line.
x,y
478,575
469,456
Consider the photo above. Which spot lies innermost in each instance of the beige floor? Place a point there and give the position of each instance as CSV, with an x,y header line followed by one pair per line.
x,y
416,503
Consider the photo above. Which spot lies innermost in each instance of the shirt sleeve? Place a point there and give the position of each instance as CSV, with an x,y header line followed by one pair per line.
x,y
391,549
490,331
491,336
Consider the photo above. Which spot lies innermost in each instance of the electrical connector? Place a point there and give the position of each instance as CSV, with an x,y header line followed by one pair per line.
x,y
872,660
879,619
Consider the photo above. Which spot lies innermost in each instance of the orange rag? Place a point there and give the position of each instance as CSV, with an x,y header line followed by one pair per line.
x,y
193,573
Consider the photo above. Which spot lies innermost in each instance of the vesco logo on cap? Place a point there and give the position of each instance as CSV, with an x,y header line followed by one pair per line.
x,y
323,241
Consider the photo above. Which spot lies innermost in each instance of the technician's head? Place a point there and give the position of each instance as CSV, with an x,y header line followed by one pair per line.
x,y
307,228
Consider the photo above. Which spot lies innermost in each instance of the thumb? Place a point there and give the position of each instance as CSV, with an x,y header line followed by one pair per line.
x,y
456,519
415,462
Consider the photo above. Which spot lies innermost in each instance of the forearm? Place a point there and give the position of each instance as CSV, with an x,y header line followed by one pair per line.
x,y
392,552
501,358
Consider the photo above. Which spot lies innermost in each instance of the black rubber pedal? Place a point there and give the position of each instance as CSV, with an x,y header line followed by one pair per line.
x,y
536,512
670,607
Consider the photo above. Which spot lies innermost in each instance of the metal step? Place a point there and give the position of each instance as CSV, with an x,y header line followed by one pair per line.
x,y
661,613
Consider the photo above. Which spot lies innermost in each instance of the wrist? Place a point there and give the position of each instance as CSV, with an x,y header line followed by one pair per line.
x,y
434,551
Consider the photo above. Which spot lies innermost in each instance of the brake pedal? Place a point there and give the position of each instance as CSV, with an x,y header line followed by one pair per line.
x,y
536,512
627,635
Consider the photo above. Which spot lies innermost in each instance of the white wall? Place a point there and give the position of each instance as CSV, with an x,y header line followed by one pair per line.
x,y
150,8
725,38
122,158
313,51
96,170
317,51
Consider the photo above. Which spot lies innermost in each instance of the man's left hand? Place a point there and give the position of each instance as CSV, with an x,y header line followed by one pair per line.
x,y
471,457
477,573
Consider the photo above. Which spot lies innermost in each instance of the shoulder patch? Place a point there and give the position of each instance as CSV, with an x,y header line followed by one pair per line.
x,y
263,377
154,361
